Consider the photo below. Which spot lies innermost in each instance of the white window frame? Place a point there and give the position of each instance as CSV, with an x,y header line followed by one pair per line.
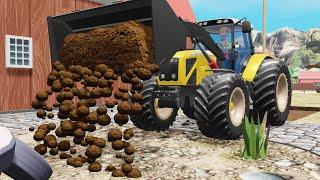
x,y
7,49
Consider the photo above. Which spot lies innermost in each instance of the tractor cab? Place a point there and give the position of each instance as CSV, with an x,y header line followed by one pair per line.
x,y
234,38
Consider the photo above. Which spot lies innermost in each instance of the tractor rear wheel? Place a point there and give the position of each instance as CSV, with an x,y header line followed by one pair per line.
x,y
153,118
272,91
221,103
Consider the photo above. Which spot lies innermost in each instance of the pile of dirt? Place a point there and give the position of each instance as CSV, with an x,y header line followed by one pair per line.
x,y
90,63
118,47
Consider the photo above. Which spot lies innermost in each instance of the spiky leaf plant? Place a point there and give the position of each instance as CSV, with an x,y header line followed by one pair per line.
x,y
255,138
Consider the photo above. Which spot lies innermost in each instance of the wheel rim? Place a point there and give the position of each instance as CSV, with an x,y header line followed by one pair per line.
x,y
282,92
237,106
162,113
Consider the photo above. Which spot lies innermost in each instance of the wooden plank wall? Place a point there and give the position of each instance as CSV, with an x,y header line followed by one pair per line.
x,y
4,76
19,83
18,87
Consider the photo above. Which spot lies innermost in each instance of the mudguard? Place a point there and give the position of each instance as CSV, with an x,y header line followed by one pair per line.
x,y
253,66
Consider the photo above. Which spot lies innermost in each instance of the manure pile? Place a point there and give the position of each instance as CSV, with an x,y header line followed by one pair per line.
x,y
118,47
90,63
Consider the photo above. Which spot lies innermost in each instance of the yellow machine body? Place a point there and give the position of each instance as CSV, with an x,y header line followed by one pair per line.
x,y
200,68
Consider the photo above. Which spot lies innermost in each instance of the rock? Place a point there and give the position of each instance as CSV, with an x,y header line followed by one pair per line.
x,y
260,176
31,128
311,166
284,163
202,173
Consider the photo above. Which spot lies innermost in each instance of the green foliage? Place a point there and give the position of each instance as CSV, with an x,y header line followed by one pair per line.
x,y
255,139
302,58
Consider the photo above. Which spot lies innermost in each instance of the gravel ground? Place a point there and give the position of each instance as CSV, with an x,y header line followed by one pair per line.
x,y
183,153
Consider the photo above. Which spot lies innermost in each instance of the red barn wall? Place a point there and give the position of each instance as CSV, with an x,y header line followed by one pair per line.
x,y
29,18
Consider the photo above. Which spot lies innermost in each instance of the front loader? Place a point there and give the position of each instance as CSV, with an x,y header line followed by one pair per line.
x,y
190,79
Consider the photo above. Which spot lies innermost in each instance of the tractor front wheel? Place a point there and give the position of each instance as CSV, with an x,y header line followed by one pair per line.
x,y
221,103
153,118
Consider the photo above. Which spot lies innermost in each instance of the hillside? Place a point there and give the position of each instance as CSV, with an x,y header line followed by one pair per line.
x,y
298,48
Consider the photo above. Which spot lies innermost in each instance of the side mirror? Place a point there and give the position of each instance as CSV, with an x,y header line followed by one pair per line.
x,y
246,27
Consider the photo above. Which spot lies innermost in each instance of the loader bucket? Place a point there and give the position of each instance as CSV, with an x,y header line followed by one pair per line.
x,y
169,34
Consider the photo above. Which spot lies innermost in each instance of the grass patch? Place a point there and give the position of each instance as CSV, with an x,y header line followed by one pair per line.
x,y
255,138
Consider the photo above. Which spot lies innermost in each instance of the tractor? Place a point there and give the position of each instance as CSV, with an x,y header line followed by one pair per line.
x,y
217,82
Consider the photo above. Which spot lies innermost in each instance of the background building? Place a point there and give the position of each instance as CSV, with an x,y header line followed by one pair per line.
x,y
24,45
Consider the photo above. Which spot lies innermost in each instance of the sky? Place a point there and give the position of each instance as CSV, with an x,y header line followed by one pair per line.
x,y
298,14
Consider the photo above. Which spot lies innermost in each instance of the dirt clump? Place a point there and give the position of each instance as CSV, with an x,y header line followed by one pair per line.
x,y
126,168
121,119
110,168
64,145
41,149
64,156
118,155
135,173
110,104
90,139
118,173
129,150
54,151
42,96
95,167
100,142
41,114
104,120
93,151
75,162
114,134
51,126
60,133
73,151
50,141
124,107
117,145
39,134
128,159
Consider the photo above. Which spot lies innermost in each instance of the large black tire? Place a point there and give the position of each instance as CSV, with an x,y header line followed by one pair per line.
x,y
148,119
212,105
271,74
188,111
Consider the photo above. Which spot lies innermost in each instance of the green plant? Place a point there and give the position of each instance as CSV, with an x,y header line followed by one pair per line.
x,y
255,138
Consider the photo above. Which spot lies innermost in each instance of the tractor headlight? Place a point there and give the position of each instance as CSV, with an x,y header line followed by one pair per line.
x,y
174,60
173,76
162,76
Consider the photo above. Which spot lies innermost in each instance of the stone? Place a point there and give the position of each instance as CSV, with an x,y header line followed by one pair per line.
x,y
202,173
311,166
284,163
260,176
287,137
